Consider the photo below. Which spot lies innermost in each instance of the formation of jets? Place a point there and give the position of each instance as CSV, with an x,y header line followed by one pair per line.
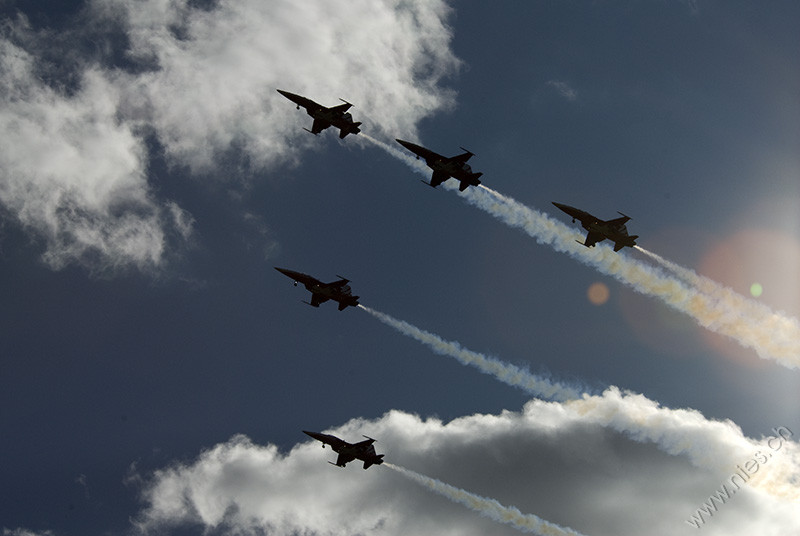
x,y
444,168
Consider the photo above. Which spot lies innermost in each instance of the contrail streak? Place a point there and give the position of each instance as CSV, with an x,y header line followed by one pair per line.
x,y
707,443
487,507
505,372
771,335
410,161
726,295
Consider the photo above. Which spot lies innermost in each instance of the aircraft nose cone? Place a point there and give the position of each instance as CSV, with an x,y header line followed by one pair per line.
x,y
287,273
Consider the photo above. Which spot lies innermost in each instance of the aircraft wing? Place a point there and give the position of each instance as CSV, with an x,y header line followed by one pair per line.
x,y
319,125
341,108
316,299
619,221
462,157
343,459
438,178
593,238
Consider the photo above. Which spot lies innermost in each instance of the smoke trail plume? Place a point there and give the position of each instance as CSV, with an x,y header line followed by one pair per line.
x,y
505,372
716,445
487,507
727,296
410,161
771,335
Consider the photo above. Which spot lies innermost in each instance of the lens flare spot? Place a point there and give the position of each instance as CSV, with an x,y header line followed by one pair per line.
x,y
756,290
598,293
748,256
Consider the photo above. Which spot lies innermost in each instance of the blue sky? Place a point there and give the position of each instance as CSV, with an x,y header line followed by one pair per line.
x,y
152,177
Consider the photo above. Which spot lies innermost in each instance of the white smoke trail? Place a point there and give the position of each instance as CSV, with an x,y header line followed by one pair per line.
x,y
505,372
487,507
410,161
771,335
726,295
716,445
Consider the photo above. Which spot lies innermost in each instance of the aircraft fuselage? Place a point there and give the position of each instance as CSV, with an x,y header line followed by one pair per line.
x,y
324,117
338,291
363,450
599,230
457,170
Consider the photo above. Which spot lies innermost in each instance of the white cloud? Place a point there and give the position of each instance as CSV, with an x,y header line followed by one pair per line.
x,y
73,173
564,89
74,166
214,71
24,532
550,460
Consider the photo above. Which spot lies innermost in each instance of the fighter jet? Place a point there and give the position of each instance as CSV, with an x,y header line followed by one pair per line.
x,y
599,230
445,167
321,292
363,450
336,116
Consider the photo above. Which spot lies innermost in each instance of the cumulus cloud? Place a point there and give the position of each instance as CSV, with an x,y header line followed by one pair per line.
x,y
73,173
549,459
211,75
201,78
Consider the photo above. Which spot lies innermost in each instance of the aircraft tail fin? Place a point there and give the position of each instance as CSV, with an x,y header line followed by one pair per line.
x,y
377,460
630,242
472,181
352,129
